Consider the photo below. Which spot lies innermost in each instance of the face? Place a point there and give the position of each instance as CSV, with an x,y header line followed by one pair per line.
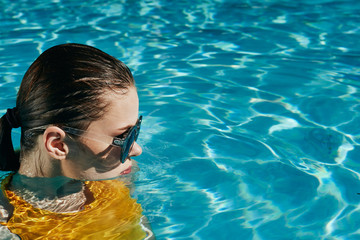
x,y
89,159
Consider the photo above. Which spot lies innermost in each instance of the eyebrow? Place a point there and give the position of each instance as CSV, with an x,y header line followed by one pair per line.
x,y
126,127
124,130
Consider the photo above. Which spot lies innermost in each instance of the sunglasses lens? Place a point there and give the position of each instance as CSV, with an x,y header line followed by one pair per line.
x,y
127,146
137,129
132,137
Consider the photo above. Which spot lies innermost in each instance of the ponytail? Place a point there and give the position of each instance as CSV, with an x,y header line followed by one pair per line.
x,y
9,160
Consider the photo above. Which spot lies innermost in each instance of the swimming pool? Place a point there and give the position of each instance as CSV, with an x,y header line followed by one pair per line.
x,y
251,108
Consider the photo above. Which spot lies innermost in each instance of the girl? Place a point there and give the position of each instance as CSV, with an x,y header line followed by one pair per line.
x,y
78,112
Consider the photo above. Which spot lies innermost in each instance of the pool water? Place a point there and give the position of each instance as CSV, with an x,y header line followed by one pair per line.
x,y
251,123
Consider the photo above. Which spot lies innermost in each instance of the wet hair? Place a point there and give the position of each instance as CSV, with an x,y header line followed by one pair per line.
x,y
64,86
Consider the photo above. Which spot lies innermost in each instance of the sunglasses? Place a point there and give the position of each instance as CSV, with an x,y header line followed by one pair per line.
x,y
124,141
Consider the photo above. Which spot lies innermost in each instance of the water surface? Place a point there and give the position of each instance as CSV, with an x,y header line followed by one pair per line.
x,y
251,108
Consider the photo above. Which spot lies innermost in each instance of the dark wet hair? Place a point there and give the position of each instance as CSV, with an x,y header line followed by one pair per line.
x,y
64,86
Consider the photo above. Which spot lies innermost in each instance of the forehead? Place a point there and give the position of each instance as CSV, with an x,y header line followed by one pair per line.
x,y
123,104
122,112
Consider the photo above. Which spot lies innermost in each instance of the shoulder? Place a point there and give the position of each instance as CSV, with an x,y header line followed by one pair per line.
x,y
6,234
6,209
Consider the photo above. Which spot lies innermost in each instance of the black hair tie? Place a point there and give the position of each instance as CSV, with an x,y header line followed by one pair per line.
x,y
11,117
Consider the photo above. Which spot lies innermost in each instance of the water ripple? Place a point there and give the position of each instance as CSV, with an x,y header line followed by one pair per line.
x,y
251,107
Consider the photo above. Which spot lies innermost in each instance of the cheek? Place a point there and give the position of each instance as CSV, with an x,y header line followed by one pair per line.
x,y
101,151
84,165
115,153
95,147
103,156
109,158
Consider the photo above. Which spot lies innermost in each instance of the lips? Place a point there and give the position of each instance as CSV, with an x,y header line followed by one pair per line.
x,y
126,171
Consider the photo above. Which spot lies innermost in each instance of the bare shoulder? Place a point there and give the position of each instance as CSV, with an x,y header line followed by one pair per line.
x,y
144,222
6,209
6,234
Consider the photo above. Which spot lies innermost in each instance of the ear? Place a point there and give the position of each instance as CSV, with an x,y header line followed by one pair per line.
x,y
54,143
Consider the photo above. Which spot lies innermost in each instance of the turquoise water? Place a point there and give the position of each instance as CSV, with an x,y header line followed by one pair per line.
x,y
251,108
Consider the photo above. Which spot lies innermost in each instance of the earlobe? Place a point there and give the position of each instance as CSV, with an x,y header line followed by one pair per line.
x,y
54,143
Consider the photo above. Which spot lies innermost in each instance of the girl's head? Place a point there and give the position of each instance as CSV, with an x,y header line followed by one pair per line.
x,y
73,86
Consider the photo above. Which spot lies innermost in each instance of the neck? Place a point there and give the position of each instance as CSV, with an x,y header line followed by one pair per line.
x,y
47,187
37,163
57,194
40,182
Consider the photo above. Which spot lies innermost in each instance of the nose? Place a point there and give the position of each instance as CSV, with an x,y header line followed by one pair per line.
x,y
136,150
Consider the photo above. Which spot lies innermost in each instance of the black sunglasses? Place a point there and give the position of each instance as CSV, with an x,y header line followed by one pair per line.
x,y
124,142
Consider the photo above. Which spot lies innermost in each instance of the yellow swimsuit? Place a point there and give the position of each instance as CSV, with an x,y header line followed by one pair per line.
x,y
112,215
